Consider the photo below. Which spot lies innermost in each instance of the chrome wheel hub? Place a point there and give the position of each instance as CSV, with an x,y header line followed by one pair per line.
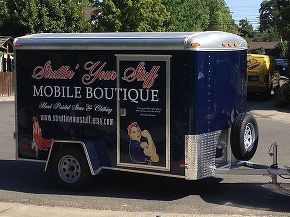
x,y
69,169
249,136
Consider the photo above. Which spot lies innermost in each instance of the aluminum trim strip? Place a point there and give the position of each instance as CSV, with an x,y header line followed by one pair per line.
x,y
16,108
247,171
139,166
200,151
31,160
143,172
118,112
126,48
190,157
48,157
168,112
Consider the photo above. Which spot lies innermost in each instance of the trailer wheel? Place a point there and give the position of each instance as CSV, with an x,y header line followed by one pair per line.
x,y
244,137
70,169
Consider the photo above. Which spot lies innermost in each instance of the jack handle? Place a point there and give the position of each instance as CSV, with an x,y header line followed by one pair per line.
x,y
273,150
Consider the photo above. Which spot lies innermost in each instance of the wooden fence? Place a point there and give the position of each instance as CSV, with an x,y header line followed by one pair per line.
x,y
6,84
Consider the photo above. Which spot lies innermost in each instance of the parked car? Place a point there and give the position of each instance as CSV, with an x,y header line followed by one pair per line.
x,y
283,68
262,73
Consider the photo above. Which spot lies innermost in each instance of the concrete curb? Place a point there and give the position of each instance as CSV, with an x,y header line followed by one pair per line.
x,y
17,209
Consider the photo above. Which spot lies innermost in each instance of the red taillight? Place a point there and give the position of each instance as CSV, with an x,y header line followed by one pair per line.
x,y
18,45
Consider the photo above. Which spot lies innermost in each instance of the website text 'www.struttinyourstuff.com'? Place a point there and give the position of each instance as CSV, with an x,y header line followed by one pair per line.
x,y
77,119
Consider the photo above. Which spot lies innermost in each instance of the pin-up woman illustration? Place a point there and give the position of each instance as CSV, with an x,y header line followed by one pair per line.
x,y
38,142
141,152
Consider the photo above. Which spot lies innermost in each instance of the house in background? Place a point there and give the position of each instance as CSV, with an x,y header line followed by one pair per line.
x,y
263,47
6,54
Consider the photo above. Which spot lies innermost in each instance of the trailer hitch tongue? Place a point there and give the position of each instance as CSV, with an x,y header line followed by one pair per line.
x,y
273,152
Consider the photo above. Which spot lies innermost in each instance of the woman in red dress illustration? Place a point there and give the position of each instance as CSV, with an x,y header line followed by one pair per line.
x,y
39,143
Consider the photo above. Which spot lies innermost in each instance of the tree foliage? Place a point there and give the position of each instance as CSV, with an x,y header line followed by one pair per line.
x,y
246,30
199,15
271,13
20,17
268,15
280,50
220,17
12,20
130,15
191,15
284,26
284,22
275,20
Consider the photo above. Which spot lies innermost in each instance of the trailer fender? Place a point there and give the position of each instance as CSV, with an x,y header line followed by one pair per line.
x,y
89,149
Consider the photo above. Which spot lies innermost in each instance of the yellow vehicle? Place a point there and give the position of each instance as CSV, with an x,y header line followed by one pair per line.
x,y
261,70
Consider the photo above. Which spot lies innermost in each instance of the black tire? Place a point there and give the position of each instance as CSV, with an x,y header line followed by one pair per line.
x,y
244,137
69,168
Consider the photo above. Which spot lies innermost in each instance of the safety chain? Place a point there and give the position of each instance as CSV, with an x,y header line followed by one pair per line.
x,y
278,186
282,190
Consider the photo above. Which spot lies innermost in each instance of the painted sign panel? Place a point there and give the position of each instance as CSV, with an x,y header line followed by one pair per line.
x,y
75,97
143,106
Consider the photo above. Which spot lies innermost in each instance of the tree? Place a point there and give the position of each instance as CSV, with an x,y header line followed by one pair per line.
x,y
267,35
246,30
285,31
20,17
199,15
106,17
73,12
12,20
280,51
275,21
190,15
220,17
268,15
271,13
130,15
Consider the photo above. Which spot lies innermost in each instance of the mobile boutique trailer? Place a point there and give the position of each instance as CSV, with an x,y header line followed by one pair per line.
x,y
170,104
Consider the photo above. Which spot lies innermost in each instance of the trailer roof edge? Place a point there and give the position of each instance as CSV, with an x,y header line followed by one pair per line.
x,y
211,40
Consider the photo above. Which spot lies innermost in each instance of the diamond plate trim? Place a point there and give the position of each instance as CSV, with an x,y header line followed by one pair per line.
x,y
200,153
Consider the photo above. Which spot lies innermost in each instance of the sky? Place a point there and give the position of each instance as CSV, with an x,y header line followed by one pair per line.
x,y
241,9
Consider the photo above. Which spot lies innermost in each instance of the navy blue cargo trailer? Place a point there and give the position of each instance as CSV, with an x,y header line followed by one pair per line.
x,y
170,104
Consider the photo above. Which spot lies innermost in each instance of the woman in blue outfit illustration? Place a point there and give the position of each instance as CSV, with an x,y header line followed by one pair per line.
x,y
141,152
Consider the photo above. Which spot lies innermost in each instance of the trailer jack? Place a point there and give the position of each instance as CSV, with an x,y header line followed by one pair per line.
x,y
273,152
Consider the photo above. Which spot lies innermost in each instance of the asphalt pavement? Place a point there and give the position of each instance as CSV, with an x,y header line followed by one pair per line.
x,y
265,109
